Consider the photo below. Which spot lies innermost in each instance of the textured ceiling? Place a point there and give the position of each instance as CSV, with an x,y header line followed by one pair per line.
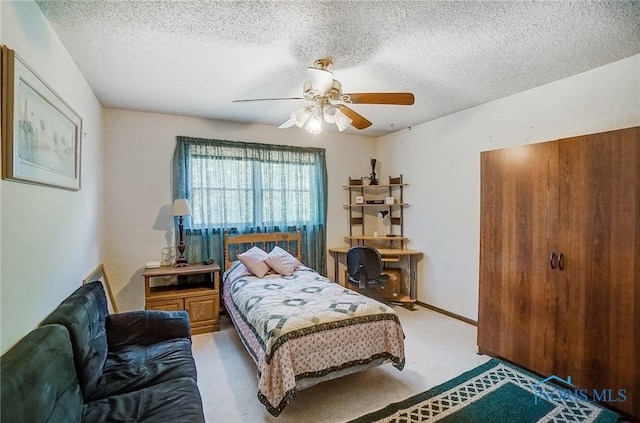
x,y
194,58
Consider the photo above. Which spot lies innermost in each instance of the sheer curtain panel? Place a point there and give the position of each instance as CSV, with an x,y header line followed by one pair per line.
x,y
249,187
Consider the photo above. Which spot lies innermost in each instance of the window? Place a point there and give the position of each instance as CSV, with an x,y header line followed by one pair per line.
x,y
250,187
253,193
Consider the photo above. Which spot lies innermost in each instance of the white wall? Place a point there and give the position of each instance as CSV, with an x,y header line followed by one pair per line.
x,y
441,162
50,238
138,192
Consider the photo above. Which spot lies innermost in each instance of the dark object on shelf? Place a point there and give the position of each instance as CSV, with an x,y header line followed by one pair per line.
x,y
391,235
355,181
208,262
372,178
375,201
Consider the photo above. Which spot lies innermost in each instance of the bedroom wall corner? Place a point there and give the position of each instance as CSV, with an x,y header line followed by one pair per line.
x,y
441,161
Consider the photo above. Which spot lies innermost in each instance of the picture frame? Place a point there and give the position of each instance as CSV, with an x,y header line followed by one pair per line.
x,y
359,199
41,133
98,274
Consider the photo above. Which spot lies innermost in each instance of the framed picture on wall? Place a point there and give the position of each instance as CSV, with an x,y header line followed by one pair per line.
x,y
41,133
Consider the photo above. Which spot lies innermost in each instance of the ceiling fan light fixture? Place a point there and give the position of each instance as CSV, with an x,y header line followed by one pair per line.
x,y
314,125
330,114
330,104
333,114
336,90
302,116
342,121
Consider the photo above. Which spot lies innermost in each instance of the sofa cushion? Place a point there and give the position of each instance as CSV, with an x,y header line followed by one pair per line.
x,y
146,327
39,382
83,313
132,367
172,401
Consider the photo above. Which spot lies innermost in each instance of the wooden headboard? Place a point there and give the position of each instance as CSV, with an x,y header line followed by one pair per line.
x,y
237,244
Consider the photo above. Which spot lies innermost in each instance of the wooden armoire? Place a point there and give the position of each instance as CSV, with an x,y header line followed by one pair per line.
x,y
560,260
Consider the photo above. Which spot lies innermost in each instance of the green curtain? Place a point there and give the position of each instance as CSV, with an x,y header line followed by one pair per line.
x,y
247,187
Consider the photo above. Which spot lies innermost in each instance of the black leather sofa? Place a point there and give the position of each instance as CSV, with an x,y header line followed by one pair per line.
x,y
83,364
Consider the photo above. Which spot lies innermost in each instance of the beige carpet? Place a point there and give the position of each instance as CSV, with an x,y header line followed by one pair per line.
x,y
438,348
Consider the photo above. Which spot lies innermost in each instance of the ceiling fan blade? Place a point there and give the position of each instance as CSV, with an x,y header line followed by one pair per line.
x,y
289,122
402,99
357,121
268,99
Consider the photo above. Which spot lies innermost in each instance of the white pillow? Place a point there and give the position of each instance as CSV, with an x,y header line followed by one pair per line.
x,y
281,261
253,259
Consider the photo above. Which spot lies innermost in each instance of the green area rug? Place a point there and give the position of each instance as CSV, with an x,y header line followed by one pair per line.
x,y
495,392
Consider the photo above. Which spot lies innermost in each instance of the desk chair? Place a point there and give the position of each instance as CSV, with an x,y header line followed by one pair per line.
x,y
365,266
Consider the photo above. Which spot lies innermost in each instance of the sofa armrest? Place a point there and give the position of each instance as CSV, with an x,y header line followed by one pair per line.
x,y
146,327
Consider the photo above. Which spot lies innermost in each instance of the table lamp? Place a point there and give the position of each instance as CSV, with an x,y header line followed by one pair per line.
x,y
181,209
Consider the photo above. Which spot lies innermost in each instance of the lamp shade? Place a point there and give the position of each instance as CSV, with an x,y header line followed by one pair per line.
x,y
342,120
302,116
314,125
180,207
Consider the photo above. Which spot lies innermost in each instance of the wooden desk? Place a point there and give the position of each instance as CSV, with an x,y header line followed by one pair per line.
x,y
201,301
388,255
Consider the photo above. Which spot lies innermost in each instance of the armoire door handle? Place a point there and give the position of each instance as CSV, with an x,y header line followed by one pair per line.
x,y
561,261
552,259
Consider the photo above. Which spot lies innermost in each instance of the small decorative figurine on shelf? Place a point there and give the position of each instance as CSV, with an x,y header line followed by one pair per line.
x,y
372,178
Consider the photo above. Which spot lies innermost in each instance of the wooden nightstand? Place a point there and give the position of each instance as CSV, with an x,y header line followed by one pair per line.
x,y
200,300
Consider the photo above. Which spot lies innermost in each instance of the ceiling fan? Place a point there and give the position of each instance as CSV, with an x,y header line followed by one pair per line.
x,y
329,103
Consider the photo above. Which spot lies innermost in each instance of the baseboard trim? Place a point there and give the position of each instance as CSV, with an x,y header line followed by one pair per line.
x,y
448,313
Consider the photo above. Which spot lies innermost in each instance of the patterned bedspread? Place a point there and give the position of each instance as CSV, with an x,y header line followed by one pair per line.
x,y
304,326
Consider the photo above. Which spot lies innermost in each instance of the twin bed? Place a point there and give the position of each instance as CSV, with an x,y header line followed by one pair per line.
x,y
299,327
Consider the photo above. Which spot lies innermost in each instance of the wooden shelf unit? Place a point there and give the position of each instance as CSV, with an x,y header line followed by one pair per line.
x,y
395,189
375,205
399,262
357,185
